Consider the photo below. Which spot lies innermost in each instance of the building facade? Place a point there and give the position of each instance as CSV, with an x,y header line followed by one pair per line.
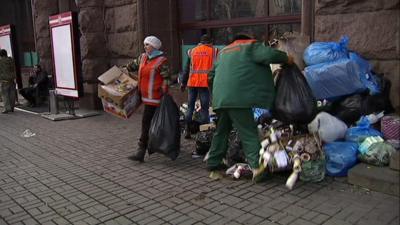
x,y
111,31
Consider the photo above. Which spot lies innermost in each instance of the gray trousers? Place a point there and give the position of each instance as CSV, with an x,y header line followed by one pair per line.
x,y
8,95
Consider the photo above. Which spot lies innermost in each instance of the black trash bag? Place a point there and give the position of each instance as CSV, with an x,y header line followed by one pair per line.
x,y
376,104
295,102
164,133
235,152
203,141
380,102
353,107
194,127
349,109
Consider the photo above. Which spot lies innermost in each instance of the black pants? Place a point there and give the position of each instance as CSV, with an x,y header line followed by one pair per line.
x,y
29,94
146,121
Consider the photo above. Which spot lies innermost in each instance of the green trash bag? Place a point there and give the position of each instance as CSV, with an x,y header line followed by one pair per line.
x,y
378,154
313,170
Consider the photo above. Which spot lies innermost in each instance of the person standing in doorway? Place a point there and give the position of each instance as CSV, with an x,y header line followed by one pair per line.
x,y
195,76
153,77
7,80
242,80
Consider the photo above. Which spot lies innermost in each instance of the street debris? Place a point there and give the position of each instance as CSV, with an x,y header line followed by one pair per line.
x,y
27,133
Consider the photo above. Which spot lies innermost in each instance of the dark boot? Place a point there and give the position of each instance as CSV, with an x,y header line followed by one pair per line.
x,y
186,132
139,156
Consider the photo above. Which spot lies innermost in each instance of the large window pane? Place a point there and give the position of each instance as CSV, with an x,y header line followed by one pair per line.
x,y
229,9
192,10
192,37
284,7
276,30
223,36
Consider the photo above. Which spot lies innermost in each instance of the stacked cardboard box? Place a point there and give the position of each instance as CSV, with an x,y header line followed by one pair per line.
x,y
118,92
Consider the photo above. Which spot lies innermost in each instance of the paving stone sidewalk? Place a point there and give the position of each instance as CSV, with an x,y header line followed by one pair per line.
x,y
77,172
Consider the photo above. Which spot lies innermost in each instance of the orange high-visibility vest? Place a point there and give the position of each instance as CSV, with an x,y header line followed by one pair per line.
x,y
150,79
202,60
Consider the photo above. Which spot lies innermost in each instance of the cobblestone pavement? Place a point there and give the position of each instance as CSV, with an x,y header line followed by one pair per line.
x,y
77,172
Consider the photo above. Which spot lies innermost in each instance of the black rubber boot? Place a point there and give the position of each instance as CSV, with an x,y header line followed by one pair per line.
x,y
139,156
186,132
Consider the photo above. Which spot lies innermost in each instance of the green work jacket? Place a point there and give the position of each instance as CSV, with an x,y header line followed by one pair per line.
x,y
242,78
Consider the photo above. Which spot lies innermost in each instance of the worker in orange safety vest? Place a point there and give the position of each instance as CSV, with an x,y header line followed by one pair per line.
x,y
195,76
153,83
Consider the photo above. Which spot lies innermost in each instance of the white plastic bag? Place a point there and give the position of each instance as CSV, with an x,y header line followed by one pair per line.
x,y
328,127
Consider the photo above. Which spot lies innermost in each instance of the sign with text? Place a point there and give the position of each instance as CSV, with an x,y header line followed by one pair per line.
x,y
66,60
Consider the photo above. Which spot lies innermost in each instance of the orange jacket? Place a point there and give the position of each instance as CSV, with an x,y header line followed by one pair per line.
x,y
150,79
202,60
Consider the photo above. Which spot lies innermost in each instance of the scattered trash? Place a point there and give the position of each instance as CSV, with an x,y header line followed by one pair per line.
x,y
354,121
203,141
340,157
27,133
235,153
363,148
361,131
390,126
329,128
377,154
238,170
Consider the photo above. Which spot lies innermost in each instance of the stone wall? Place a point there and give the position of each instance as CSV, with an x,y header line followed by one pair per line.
x,y
93,48
121,30
373,27
42,9
108,36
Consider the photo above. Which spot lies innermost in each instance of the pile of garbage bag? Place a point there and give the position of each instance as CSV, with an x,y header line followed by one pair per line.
x,y
325,119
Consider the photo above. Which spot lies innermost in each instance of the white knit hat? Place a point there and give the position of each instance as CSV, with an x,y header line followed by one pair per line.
x,y
153,41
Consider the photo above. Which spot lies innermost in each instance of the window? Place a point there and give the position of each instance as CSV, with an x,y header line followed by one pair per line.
x,y
284,7
222,19
224,35
229,9
193,10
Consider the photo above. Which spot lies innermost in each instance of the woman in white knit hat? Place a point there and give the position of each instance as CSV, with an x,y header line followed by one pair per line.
x,y
153,83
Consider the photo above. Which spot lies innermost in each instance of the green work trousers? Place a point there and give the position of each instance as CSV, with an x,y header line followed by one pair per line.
x,y
243,121
8,94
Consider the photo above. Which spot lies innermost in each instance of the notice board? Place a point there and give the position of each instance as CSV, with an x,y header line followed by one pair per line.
x,y
66,57
8,42
5,39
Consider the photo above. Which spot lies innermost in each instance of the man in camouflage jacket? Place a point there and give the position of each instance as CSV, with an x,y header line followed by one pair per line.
x,y
7,77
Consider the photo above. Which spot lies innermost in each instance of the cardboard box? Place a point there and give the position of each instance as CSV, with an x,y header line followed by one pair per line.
x,y
119,94
117,87
207,126
130,106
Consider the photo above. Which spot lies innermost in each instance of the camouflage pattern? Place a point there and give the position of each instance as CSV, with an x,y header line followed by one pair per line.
x,y
7,69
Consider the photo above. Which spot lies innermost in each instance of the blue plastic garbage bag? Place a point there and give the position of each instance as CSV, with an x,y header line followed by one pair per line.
x,y
335,79
340,157
361,131
322,52
368,78
258,112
